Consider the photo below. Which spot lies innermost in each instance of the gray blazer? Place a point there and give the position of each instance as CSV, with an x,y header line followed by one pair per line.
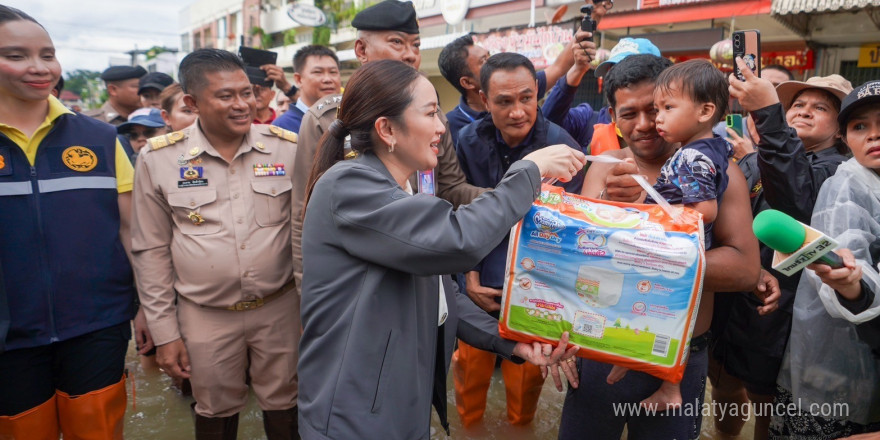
x,y
369,364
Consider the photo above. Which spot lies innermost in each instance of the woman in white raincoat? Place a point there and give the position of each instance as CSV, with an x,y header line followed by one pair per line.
x,y
829,371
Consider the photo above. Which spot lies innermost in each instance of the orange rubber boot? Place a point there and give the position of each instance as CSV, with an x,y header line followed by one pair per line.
x,y
523,384
97,415
472,373
37,423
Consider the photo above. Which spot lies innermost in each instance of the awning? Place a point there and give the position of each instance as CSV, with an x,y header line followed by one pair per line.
x,y
684,12
800,15
783,7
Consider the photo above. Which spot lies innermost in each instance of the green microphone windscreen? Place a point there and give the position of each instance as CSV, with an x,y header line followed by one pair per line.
x,y
779,231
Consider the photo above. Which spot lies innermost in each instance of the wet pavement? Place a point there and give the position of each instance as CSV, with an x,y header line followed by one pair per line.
x,y
158,411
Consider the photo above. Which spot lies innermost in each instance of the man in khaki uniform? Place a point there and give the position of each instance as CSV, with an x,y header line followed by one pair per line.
x,y
212,253
122,89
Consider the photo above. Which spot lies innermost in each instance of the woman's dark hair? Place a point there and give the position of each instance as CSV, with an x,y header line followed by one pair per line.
x,y
378,89
12,14
169,96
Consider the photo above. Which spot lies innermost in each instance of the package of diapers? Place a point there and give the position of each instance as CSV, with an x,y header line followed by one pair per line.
x,y
623,279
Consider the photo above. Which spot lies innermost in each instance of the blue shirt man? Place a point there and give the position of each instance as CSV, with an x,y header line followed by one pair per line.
x,y
316,73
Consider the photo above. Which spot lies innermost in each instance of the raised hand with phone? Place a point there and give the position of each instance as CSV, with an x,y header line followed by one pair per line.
x,y
747,46
752,91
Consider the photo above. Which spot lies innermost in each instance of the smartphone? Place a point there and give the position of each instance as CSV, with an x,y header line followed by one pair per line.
x,y
587,22
736,122
253,59
426,182
257,57
747,45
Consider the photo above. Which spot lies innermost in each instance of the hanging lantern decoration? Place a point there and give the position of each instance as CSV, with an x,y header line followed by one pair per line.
x,y
722,52
602,55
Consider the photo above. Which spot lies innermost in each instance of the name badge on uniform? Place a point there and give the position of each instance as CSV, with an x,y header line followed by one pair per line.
x,y
269,169
192,183
426,182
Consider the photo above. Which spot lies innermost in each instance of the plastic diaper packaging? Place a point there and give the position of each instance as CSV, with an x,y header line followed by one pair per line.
x,y
623,279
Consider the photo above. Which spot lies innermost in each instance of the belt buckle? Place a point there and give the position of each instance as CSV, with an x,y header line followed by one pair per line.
x,y
249,305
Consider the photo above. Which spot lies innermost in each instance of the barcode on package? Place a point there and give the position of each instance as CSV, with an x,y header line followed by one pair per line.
x,y
661,345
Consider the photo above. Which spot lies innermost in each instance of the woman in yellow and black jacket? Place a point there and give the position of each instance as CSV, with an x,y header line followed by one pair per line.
x,y
65,197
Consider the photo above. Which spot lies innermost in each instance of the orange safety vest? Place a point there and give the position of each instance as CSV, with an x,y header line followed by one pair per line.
x,y
604,139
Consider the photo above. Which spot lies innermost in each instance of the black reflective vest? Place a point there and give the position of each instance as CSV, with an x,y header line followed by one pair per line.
x,y
65,270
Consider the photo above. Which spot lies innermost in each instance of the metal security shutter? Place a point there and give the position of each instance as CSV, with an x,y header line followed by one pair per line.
x,y
858,76
588,92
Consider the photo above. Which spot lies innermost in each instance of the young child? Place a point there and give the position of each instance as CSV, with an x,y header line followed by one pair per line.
x,y
690,98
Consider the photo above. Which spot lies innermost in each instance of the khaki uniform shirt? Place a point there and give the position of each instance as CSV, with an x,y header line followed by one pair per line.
x,y
107,114
213,232
450,179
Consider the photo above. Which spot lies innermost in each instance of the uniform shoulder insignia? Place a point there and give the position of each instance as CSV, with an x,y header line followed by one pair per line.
x,y
166,140
282,133
327,104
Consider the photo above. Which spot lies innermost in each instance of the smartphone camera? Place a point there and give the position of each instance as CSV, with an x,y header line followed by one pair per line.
x,y
587,22
737,40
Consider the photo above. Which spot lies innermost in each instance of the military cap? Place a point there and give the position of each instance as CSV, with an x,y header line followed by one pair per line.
x,y
119,73
154,80
389,15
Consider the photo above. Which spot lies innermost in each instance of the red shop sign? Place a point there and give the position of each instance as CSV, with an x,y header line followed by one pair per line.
x,y
791,59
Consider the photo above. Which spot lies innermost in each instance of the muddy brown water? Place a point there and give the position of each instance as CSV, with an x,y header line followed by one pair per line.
x,y
156,410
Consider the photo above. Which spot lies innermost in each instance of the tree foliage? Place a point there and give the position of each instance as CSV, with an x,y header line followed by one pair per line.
x,y
337,11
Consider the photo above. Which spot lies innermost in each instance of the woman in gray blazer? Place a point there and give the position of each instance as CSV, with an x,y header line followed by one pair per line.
x,y
379,319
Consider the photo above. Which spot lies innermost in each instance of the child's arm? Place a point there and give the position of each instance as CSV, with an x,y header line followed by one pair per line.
x,y
709,209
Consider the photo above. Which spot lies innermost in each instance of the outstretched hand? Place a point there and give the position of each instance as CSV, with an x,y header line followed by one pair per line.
x,y
558,161
542,354
551,360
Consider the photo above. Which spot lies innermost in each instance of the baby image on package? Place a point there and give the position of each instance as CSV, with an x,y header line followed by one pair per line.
x,y
623,279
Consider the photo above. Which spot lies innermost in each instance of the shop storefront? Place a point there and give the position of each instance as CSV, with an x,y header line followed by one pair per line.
x,y
843,34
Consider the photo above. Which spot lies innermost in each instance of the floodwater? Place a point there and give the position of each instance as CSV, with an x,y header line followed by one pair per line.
x,y
156,410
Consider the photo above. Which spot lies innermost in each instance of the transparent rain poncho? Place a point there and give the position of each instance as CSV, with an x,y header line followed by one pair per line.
x,y
825,362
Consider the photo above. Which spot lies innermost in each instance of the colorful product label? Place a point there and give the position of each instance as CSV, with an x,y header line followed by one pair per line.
x,y
624,280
